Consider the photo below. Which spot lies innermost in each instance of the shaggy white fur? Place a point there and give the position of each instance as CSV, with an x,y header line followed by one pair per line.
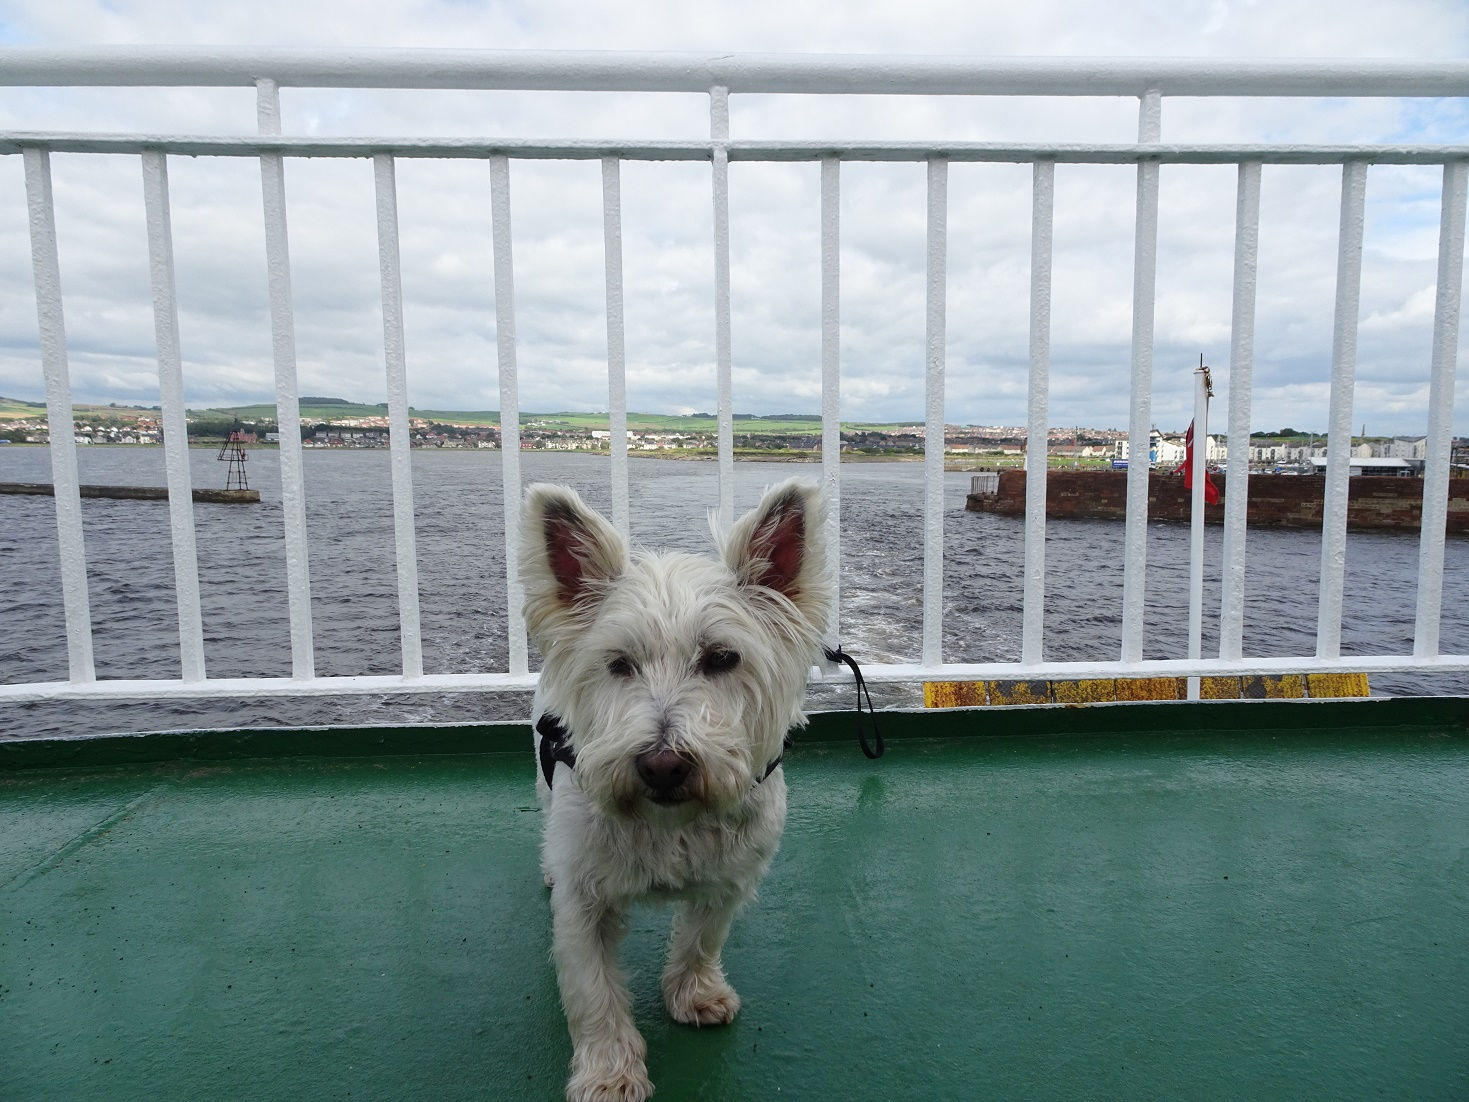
x,y
677,678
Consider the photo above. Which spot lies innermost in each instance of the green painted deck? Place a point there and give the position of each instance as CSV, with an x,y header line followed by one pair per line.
x,y
1274,907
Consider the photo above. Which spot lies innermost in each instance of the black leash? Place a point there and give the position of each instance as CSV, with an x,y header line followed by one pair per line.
x,y
838,655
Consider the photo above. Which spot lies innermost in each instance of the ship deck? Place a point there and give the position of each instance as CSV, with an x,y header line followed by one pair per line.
x,y
1242,900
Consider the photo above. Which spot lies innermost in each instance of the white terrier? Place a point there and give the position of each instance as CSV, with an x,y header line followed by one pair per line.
x,y
669,684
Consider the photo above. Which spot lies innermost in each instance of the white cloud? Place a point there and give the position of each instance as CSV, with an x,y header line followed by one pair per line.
x,y
775,235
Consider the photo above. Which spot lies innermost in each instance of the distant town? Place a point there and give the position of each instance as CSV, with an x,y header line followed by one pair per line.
x,y
339,423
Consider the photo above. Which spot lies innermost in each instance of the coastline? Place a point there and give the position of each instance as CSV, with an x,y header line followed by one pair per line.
x,y
699,455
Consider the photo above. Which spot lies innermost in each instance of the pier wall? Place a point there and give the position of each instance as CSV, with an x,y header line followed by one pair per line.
x,y
1275,501
133,493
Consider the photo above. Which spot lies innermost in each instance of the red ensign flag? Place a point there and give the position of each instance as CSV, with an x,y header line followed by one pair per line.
x,y
1211,491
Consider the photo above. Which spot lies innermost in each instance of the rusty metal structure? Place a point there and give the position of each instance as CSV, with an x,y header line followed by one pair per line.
x,y
232,452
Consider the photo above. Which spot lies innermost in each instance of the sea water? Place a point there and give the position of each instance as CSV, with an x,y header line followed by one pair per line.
x,y
462,593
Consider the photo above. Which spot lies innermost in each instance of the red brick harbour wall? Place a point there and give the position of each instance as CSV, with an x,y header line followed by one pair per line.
x,y
1278,501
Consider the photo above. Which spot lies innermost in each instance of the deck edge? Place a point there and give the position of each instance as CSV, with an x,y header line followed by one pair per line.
x,y
1101,720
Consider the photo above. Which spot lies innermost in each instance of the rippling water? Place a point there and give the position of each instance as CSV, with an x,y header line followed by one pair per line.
x,y
462,593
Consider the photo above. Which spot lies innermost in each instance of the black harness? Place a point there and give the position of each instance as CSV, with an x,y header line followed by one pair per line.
x,y
555,743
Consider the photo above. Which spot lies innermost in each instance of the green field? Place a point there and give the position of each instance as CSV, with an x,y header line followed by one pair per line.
x,y
20,409
671,422
14,407
311,410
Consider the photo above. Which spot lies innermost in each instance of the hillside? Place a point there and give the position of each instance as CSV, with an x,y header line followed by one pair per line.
x,y
20,408
315,409
14,407
319,409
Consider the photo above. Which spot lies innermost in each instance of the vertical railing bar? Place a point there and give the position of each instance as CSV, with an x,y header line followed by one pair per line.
x,y
1197,475
1241,374
268,105
175,423
1144,273
509,405
831,360
1339,420
1443,365
719,140
400,438
933,441
616,343
1037,437
287,400
50,317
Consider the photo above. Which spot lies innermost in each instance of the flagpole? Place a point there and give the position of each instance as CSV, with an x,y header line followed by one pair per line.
x,y
1203,387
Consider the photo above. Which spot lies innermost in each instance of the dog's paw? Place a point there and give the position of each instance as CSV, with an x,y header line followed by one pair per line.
x,y
609,1085
611,1072
700,1000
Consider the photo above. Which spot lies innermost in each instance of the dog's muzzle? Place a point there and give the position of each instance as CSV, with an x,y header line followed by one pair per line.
x,y
555,746
665,771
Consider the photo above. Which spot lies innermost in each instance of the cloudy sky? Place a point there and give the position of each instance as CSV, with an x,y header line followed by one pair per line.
x,y
445,216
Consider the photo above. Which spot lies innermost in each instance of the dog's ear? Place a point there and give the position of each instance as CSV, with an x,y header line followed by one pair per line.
x,y
778,545
568,554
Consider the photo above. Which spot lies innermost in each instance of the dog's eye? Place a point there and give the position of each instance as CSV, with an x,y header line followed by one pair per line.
x,y
621,666
720,660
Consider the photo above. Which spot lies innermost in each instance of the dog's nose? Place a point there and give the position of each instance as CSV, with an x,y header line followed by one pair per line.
x,y
663,769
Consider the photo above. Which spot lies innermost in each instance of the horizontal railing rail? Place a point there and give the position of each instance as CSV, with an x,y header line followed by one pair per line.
x,y
590,150
599,71
892,673
720,77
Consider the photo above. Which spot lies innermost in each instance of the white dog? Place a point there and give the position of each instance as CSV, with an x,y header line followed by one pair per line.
x,y
669,684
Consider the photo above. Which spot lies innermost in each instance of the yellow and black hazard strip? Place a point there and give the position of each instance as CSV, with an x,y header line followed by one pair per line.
x,y
973,694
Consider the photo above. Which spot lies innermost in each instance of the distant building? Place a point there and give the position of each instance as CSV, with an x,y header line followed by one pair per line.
x,y
1407,447
1168,452
1368,465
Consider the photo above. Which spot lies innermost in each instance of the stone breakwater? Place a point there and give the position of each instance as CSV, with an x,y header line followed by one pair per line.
x,y
1275,501
134,493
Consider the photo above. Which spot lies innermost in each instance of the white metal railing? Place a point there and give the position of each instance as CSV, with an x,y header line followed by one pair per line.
x,y
719,78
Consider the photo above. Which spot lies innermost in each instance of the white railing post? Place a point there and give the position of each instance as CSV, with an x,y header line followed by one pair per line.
x,y
509,409
46,265
1037,435
1339,415
175,423
723,361
616,344
1140,422
831,380
400,440
1442,367
1197,474
287,394
1241,371
933,440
